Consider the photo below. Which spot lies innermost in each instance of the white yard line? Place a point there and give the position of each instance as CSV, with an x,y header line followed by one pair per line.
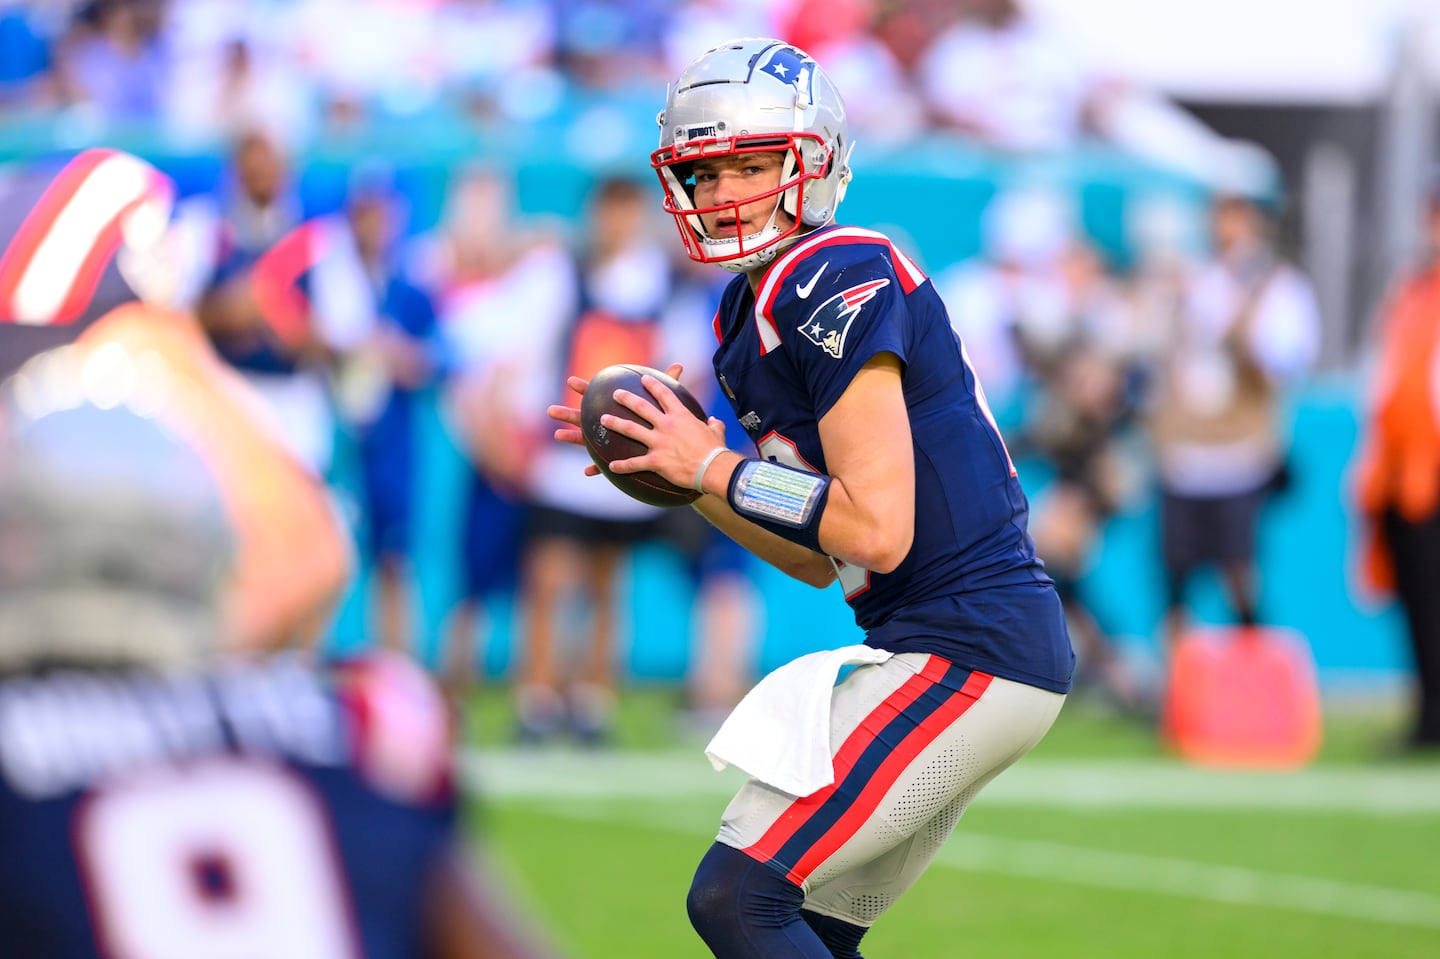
x,y
1187,879
1133,784
1101,869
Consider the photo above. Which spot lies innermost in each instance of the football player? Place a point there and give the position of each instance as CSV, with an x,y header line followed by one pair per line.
x,y
93,250
881,467
159,800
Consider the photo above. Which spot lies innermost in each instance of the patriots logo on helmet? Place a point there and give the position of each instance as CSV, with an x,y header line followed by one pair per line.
x,y
789,65
830,322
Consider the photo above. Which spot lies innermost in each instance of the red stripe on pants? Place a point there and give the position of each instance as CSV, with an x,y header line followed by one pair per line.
x,y
888,773
800,811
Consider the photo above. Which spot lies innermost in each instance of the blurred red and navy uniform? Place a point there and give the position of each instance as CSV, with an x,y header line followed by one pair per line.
x,y
61,224
240,810
277,279
282,279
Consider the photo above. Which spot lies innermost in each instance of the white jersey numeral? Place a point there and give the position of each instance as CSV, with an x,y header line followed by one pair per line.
x,y
216,861
778,449
853,579
985,406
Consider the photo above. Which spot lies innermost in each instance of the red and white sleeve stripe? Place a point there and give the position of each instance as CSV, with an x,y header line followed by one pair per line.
x,y
50,269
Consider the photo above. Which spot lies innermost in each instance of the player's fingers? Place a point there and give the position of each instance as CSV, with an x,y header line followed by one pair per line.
x,y
717,427
592,470
624,427
570,436
664,396
674,370
565,414
636,464
639,405
577,383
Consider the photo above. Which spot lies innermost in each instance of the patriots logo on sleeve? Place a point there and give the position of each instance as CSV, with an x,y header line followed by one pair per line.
x,y
829,324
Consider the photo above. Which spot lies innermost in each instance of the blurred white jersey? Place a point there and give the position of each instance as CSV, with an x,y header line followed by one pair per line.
x,y
628,292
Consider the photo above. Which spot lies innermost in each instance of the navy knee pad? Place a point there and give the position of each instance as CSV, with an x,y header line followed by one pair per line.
x,y
743,909
840,937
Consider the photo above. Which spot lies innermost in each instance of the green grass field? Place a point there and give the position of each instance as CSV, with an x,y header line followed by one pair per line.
x,y
1096,846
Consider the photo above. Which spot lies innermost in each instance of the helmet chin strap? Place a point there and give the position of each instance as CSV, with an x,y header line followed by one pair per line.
x,y
790,199
764,237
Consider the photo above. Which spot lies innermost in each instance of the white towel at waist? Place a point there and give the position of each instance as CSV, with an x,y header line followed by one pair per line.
x,y
780,731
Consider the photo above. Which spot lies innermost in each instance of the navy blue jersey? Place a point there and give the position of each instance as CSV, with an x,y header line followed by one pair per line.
x,y
387,443
252,810
971,588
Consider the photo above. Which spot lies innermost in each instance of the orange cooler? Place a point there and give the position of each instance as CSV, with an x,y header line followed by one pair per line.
x,y
1243,697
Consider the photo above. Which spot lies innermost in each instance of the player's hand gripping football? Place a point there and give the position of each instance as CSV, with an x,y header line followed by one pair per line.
x,y
676,440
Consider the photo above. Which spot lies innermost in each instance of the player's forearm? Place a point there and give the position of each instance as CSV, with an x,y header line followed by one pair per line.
x,y
875,532
791,559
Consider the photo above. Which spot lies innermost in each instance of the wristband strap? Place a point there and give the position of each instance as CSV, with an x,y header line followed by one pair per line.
x,y
782,499
705,465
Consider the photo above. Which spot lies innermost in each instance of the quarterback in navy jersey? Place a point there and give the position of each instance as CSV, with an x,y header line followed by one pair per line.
x,y
880,466
969,588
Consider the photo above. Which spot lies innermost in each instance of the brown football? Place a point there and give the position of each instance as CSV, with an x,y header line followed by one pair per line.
x,y
606,446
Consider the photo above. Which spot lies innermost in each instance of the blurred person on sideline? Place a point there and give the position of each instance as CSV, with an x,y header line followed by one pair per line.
x,y
727,619
1398,469
377,386
1086,376
161,794
261,323
1014,292
879,467
1046,323
293,556
578,534
1247,327
503,289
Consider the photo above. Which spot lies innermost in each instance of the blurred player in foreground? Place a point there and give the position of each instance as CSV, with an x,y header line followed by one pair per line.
x,y
158,798
881,468
154,799
94,250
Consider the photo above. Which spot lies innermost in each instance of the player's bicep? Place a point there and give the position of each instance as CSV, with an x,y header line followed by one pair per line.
x,y
866,434
869,454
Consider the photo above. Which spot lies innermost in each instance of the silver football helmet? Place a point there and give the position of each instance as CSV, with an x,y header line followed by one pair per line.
x,y
114,538
745,96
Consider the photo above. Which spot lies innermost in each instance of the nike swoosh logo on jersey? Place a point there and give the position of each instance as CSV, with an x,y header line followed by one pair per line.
x,y
804,291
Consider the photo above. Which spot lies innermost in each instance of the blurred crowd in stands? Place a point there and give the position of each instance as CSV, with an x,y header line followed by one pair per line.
x,y
304,69
1166,380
